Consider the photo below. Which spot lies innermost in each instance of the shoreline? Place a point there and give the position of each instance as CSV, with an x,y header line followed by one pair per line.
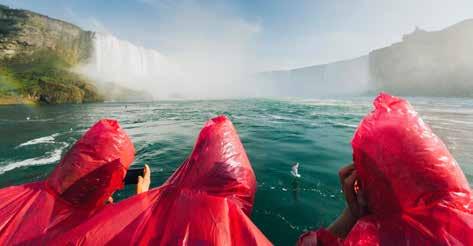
x,y
15,100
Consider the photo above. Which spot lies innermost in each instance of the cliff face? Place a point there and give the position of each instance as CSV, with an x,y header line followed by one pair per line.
x,y
37,54
23,32
427,63
339,78
424,64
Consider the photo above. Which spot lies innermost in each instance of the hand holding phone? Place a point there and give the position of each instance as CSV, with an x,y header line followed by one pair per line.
x,y
132,175
144,181
139,176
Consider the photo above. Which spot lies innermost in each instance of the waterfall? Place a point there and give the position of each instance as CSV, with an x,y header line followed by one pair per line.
x,y
119,61
190,73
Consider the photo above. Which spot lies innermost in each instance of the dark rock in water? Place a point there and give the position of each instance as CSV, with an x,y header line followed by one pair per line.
x,y
58,93
52,93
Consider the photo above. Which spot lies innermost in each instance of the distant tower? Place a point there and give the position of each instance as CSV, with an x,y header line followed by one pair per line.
x,y
416,33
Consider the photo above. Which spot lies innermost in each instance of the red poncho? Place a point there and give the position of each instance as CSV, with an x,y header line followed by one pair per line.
x,y
416,192
207,201
79,186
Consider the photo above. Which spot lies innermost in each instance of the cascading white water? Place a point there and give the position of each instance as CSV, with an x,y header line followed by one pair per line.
x,y
119,61
193,70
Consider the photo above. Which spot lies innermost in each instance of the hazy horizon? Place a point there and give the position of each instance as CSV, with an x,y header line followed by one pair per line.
x,y
207,49
274,36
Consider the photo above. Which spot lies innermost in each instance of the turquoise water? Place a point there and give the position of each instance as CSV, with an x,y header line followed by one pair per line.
x,y
275,133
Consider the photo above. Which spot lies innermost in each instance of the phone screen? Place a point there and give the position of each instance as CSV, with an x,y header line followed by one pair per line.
x,y
132,175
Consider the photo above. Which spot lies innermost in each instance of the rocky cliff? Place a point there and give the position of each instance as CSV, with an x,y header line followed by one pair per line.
x,y
38,55
339,78
23,32
437,63
425,63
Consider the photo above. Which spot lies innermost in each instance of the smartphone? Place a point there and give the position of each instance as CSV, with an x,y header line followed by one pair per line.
x,y
132,175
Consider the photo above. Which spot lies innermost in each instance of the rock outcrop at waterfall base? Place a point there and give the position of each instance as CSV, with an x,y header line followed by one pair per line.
x,y
37,54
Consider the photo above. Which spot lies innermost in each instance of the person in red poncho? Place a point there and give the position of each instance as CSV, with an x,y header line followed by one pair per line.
x,y
405,188
207,201
78,187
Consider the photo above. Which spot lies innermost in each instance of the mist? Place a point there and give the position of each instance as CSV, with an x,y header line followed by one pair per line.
x,y
211,50
208,54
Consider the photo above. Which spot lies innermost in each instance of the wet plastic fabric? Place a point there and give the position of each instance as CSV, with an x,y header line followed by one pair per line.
x,y
79,186
206,201
416,192
318,237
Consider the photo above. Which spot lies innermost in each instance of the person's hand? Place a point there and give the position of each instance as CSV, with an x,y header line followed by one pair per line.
x,y
144,182
356,205
109,200
352,191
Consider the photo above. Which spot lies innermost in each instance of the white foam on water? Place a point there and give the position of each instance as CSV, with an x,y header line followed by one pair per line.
x,y
51,157
42,140
344,125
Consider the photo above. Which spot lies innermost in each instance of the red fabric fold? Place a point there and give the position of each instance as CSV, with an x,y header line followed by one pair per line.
x,y
206,201
416,191
320,237
78,187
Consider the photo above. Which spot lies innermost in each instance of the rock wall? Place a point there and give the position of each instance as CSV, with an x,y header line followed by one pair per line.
x,y
340,78
38,58
37,54
23,32
436,63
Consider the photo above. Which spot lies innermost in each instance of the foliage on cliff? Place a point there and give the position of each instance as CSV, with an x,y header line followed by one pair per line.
x,y
24,32
37,57
44,77
37,54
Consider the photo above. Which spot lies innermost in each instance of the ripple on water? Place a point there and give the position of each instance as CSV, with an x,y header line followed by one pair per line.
x,y
316,133
50,157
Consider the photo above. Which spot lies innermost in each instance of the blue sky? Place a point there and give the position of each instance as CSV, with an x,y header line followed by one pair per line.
x,y
273,34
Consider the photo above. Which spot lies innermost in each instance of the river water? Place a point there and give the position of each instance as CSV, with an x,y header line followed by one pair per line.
x,y
316,133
